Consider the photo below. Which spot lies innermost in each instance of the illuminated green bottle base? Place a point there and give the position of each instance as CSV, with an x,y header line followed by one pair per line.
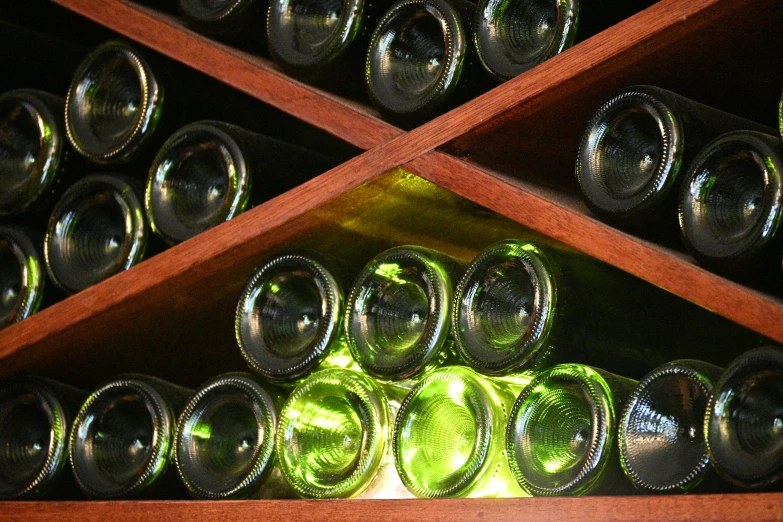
x,y
448,437
561,431
332,434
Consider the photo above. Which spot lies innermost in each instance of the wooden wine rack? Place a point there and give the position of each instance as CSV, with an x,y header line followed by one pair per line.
x,y
498,166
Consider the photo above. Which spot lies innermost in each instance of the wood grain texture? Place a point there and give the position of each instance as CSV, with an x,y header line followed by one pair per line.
x,y
564,217
254,75
740,507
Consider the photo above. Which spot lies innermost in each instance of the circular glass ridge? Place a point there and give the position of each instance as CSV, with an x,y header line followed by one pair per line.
x,y
622,181
96,230
22,278
512,37
574,471
656,456
406,275
323,38
197,180
212,11
744,419
162,422
522,306
730,198
50,454
410,91
205,403
332,434
31,148
113,104
442,433
272,354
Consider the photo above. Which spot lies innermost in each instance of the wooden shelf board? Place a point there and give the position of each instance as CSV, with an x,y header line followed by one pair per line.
x,y
563,217
257,76
741,507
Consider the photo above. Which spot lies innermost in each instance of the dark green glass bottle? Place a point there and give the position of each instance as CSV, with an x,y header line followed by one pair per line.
x,y
238,22
334,437
35,416
523,305
34,151
22,275
661,433
513,36
122,439
731,204
225,440
420,60
449,435
636,150
209,172
561,433
114,104
289,317
397,317
744,420
96,230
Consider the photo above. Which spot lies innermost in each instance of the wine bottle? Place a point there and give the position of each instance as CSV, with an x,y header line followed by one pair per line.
x,y
397,314
225,440
744,420
333,437
34,151
208,172
96,230
122,439
35,416
420,59
114,104
322,41
512,37
523,305
288,320
661,433
731,202
22,275
636,150
561,433
238,22
449,435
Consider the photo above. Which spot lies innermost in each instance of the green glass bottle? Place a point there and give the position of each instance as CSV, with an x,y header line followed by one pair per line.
x,y
333,438
96,230
238,22
636,151
122,439
225,440
114,104
449,435
744,420
288,320
22,275
397,314
34,151
523,305
561,433
209,172
661,433
731,204
35,416
420,60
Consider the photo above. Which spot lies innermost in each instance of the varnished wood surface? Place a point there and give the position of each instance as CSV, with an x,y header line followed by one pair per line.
x,y
254,75
565,218
740,507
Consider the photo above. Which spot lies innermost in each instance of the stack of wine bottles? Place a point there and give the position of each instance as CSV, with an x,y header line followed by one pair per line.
x,y
417,57
650,157
510,375
74,206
